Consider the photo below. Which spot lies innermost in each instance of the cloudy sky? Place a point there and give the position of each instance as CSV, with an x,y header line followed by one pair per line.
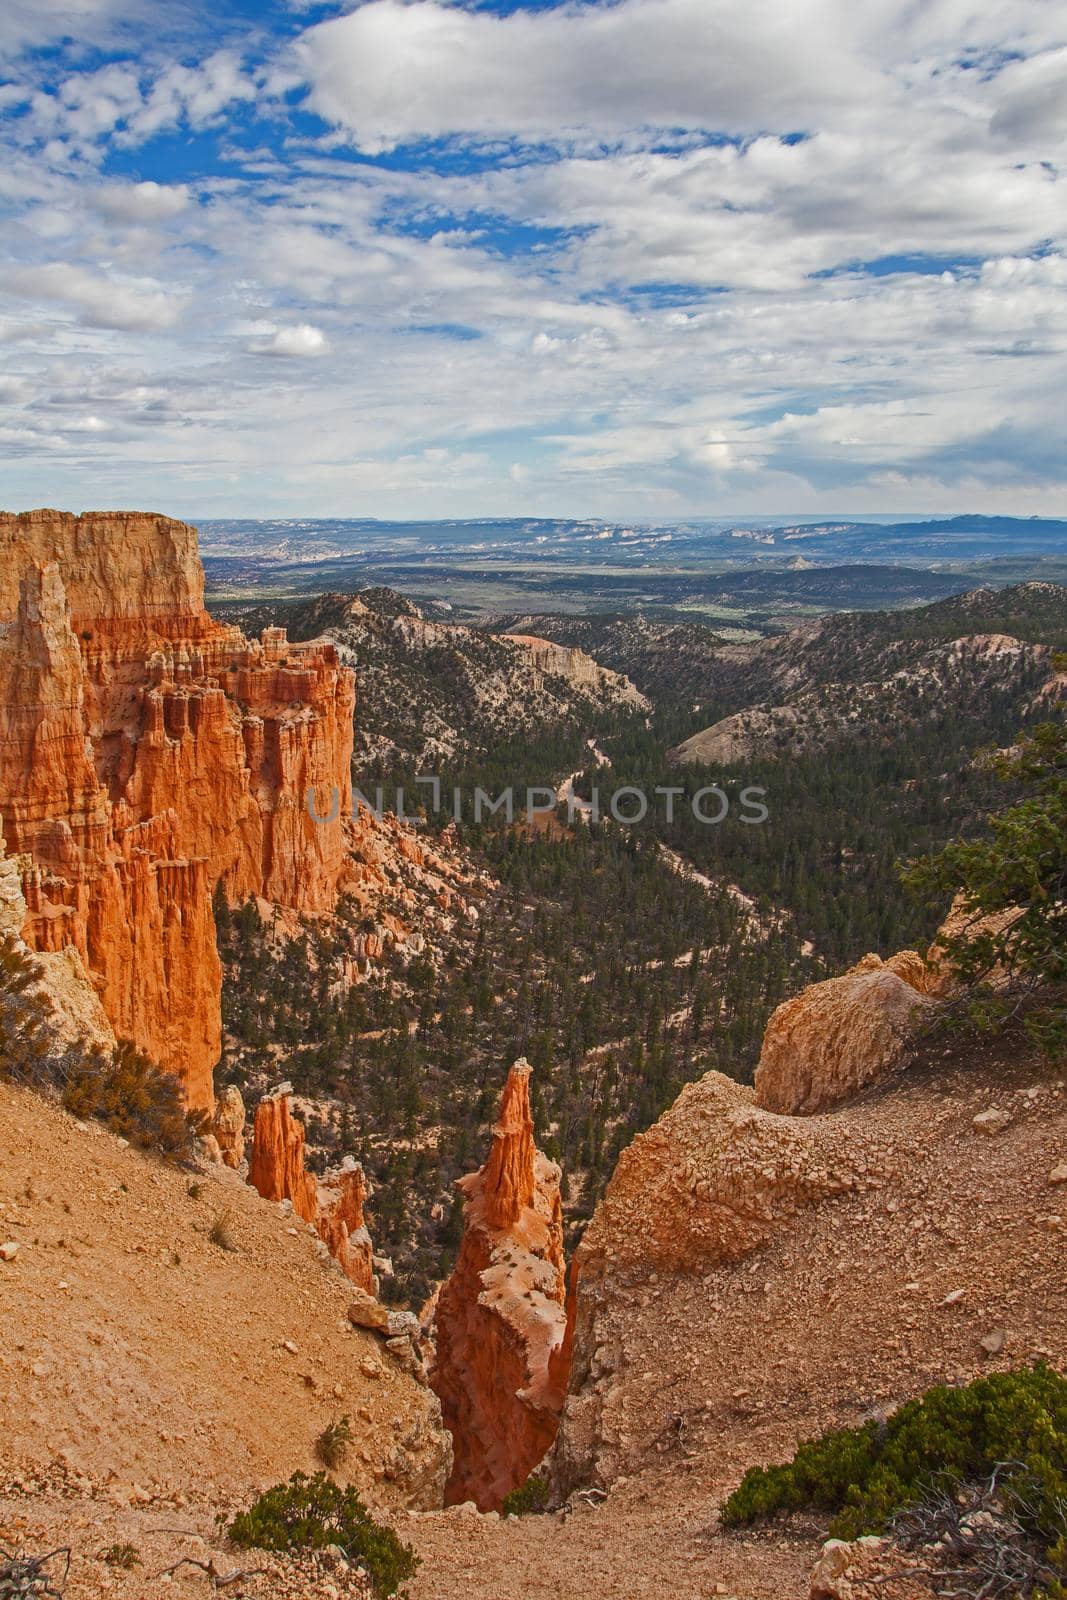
x,y
635,258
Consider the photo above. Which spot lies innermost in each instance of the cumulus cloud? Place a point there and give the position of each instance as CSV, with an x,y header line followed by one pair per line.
x,y
140,202
393,71
130,104
300,340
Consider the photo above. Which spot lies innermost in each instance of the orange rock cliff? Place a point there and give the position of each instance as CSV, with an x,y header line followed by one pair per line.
x,y
148,753
500,1318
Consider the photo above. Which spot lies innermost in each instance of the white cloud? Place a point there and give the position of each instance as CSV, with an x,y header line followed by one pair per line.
x,y
131,103
101,300
300,340
140,202
684,328
391,72
27,23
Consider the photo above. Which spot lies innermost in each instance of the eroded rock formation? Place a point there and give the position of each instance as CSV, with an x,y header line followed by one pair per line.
x,y
333,1203
500,1319
149,753
229,1126
340,1196
70,1002
276,1165
834,1037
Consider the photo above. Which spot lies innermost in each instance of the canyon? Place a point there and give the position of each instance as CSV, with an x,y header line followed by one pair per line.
x,y
880,1210
433,689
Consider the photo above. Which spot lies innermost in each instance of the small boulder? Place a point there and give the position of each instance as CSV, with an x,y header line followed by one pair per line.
x,y
992,1121
366,1312
993,1343
9,1251
403,1324
1058,1174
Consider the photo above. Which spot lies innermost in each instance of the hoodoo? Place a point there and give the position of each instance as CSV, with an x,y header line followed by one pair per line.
x,y
500,1316
334,1203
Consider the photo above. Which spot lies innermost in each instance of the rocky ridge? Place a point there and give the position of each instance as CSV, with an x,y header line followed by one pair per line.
x,y
977,667
433,690
727,1194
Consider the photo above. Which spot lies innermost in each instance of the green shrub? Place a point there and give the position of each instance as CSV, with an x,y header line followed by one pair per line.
x,y
865,1476
122,1555
30,1049
311,1513
1021,867
132,1095
529,1498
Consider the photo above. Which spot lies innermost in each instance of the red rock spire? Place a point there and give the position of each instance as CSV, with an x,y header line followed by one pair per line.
x,y
501,1363
507,1179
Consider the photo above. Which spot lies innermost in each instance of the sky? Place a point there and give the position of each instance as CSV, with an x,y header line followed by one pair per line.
x,y
443,258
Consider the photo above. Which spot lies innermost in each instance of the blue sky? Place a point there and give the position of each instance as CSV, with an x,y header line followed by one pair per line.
x,y
434,258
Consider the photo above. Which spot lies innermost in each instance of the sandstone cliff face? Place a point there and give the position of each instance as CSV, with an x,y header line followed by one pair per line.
x,y
276,1166
334,1203
500,1320
148,753
554,660
834,1037
74,1008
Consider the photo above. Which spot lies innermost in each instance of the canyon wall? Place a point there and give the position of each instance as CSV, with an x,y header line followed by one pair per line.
x,y
500,1319
70,1006
148,753
580,670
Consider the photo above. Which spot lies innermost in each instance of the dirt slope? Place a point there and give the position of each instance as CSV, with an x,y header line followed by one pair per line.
x,y
842,1314
192,1396
140,1363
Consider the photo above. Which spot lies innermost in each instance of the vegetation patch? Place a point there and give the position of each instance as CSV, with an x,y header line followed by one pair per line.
x,y
334,1442
311,1513
1012,889
528,1499
122,1087
134,1097
1010,1425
